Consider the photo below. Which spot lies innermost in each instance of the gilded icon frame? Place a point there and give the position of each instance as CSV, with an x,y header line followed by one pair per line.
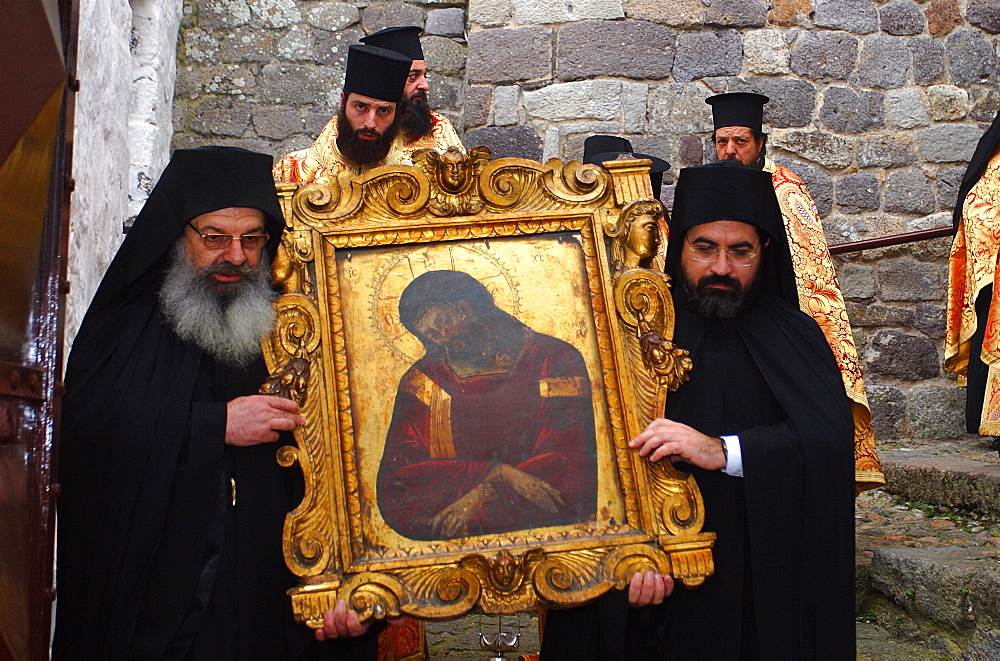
x,y
350,247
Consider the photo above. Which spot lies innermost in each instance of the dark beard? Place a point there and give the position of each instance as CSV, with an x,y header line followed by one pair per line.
x,y
360,151
226,319
719,303
417,121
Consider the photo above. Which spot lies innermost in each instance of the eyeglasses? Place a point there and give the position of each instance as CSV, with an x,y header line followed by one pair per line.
x,y
709,254
222,241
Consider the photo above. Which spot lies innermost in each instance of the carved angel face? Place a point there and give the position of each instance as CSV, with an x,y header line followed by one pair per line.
x,y
643,236
454,170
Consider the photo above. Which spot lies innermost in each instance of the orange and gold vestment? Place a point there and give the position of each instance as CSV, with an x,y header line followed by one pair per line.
x,y
972,266
322,161
820,298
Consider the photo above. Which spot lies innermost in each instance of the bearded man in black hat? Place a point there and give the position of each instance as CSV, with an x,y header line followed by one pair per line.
x,y
739,137
766,428
172,502
365,133
420,127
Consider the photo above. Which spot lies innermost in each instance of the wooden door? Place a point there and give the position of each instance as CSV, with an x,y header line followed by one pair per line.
x,y
37,57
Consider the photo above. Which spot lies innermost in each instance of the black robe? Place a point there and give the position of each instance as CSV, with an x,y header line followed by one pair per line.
x,y
784,556
154,560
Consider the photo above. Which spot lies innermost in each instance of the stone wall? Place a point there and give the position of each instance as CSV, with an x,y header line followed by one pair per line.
x,y
121,142
267,74
875,104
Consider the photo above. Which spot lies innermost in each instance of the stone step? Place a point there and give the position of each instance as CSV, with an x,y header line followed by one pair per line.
x,y
948,480
947,598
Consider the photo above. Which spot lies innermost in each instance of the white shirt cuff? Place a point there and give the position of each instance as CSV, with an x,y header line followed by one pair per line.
x,y
734,456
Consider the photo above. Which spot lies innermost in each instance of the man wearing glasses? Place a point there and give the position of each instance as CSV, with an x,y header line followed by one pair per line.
x,y
765,427
172,504
739,137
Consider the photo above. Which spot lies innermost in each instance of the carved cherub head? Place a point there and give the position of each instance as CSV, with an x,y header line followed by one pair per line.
x,y
637,235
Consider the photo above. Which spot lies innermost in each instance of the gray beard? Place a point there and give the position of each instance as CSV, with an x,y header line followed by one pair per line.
x,y
228,320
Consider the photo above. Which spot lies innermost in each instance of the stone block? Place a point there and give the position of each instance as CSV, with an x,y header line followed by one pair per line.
x,y
566,140
691,151
816,180
902,17
875,314
505,104
766,52
971,59
634,101
594,99
444,92
680,108
507,141
942,16
884,62
908,190
984,14
827,150
846,111
932,249
824,56
298,45
930,320
445,57
937,412
707,53
787,13
476,111
249,45
949,480
632,49
274,13
897,354
331,48
221,116
857,16
314,119
276,122
928,60
223,14
906,109
737,13
677,13
380,15
856,280
885,151
947,102
491,14
930,221
508,55
856,192
888,407
333,15
294,84
908,280
987,107
947,143
449,22
839,230
541,12
199,46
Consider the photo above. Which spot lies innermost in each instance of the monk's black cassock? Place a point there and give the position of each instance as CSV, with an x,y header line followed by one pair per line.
x,y
785,552
154,560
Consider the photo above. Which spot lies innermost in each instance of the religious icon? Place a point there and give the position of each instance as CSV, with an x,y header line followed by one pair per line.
x,y
493,428
473,342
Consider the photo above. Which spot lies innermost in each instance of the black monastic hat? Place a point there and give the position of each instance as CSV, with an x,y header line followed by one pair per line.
x,y
600,148
404,39
376,72
726,190
738,109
